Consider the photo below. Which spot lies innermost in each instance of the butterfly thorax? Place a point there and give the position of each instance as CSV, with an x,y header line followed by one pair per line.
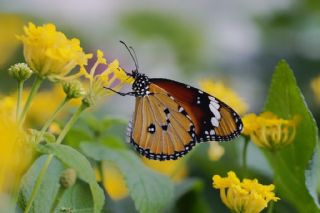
x,y
141,85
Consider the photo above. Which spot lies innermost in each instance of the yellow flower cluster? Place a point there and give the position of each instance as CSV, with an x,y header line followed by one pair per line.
x,y
101,74
15,152
50,53
269,131
315,86
248,196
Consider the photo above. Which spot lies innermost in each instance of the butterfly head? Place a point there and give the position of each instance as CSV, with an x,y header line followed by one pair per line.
x,y
141,84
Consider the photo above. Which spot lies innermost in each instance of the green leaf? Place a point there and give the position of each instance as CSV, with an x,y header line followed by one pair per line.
x,y
76,197
294,165
151,191
77,161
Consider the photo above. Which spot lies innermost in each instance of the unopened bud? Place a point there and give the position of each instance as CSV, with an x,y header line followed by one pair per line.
x,y
73,89
20,71
68,178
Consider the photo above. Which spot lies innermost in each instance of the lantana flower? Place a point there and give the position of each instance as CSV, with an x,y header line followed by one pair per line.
x,y
248,196
50,54
269,131
102,75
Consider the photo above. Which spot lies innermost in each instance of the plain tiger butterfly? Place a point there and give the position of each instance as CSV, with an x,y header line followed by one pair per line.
x,y
170,117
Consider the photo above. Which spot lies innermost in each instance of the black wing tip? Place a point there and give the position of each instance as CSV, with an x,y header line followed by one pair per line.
x,y
162,157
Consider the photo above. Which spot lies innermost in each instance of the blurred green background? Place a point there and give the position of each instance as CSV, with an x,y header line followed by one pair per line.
x,y
237,42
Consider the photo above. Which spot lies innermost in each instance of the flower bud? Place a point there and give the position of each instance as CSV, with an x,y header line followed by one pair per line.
x,y
73,89
20,71
68,178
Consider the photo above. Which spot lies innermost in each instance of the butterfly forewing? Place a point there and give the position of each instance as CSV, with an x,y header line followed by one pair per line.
x,y
213,119
161,128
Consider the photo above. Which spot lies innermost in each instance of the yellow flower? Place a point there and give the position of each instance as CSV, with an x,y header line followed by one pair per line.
x,y
101,74
269,131
176,170
113,182
225,94
215,151
248,196
50,53
10,25
315,86
15,152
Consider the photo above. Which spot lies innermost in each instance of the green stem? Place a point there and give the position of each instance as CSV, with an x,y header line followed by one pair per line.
x,y
70,123
19,100
34,90
44,168
57,198
270,207
244,157
52,117
38,183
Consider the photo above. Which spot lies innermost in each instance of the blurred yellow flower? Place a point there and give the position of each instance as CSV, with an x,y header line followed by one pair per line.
x,y
215,151
113,182
248,196
225,94
54,128
101,74
269,131
315,86
50,53
15,152
177,169
10,25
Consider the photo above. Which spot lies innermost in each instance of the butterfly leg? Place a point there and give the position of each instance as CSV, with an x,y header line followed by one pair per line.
x,y
121,93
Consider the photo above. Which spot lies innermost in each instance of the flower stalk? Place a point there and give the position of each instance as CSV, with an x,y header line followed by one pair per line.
x,y
19,100
244,156
35,87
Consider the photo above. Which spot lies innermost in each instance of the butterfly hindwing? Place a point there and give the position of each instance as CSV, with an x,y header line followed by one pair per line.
x,y
213,119
161,128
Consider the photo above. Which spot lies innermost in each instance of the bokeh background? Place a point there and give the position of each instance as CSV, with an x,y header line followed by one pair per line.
x,y
236,42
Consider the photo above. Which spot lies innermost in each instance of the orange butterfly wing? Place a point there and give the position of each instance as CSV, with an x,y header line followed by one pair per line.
x,y
161,128
213,119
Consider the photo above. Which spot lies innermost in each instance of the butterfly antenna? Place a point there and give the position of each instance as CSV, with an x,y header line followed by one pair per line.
x,y
135,56
132,56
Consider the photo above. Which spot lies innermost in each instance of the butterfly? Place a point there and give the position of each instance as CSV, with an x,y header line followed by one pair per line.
x,y
170,117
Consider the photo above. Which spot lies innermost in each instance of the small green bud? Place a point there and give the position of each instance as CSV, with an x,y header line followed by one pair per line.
x,y
68,178
89,100
73,89
20,71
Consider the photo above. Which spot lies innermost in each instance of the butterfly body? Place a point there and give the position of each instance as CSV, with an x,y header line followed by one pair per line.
x,y
171,117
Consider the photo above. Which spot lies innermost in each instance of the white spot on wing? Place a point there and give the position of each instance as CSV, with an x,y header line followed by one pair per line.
x,y
214,122
212,132
215,104
212,99
215,111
